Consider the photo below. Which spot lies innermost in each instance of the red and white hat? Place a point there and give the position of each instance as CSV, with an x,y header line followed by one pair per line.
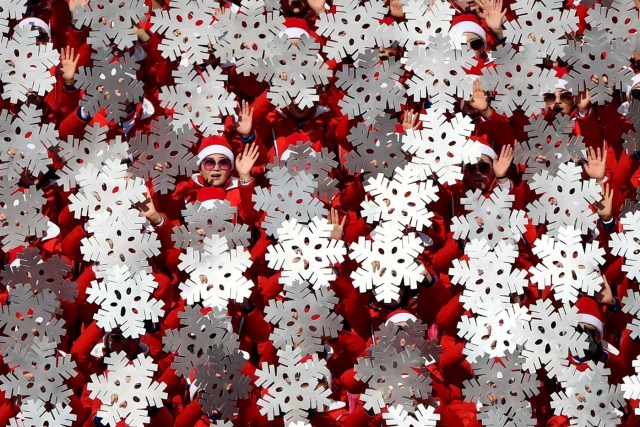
x,y
296,28
35,22
400,315
590,313
482,146
215,145
468,23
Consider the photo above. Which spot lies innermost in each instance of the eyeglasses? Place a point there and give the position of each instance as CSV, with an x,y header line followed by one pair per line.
x,y
476,44
481,166
635,93
210,164
565,96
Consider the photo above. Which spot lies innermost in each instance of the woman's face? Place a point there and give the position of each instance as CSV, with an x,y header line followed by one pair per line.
x,y
479,176
216,170
476,43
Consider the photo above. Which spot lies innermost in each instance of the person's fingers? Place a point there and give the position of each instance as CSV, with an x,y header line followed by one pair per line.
x,y
598,154
604,152
344,220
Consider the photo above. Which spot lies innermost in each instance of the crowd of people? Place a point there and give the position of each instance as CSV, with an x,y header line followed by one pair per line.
x,y
189,240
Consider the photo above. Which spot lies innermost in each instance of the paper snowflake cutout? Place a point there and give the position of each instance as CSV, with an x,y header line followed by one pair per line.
x,y
24,218
216,274
304,318
396,253
403,200
187,29
199,98
82,156
115,242
498,417
132,382
518,81
217,220
26,66
303,157
548,335
125,300
40,275
488,274
291,196
197,334
541,27
393,377
412,335
47,369
222,382
422,21
28,317
627,244
631,305
351,30
600,55
34,413
306,253
424,416
372,86
29,139
247,33
169,148
441,148
631,384
375,150
588,399
303,69
620,17
111,21
491,218
567,266
553,140
291,386
107,190
566,200
505,380
489,332
438,72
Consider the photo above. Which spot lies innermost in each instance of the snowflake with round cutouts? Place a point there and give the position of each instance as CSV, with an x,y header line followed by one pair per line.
x,y
424,416
306,253
440,148
36,413
631,384
387,261
567,266
23,216
627,243
216,274
403,199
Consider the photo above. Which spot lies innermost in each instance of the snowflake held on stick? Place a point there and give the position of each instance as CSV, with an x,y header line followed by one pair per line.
x,y
131,382
111,21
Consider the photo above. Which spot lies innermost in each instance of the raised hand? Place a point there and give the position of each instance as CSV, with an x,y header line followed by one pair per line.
x,y
502,164
493,14
246,160
410,120
479,100
596,163
584,102
606,204
245,119
75,5
317,6
148,210
69,65
338,226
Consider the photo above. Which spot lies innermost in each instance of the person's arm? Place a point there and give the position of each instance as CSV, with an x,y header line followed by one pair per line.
x,y
501,167
244,163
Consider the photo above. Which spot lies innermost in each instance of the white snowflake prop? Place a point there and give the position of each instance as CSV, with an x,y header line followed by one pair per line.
x,y
607,16
125,301
111,21
395,253
47,370
132,382
567,266
627,244
412,335
26,66
504,381
216,274
306,253
304,318
351,30
291,387
631,305
424,416
372,86
23,216
488,275
291,196
198,98
403,200
441,148
375,150
588,399
631,384
490,218
109,84
548,335
34,413
566,200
